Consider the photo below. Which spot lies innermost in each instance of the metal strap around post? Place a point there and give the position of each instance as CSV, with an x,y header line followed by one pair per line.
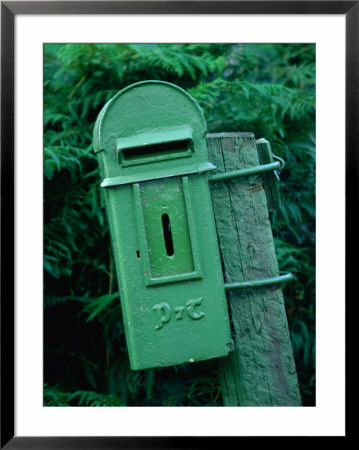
x,y
278,165
258,283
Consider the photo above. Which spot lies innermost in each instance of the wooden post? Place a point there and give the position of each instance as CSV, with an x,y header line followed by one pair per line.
x,y
261,370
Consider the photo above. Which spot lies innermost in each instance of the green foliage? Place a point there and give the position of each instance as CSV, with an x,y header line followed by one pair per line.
x,y
268,89
53,396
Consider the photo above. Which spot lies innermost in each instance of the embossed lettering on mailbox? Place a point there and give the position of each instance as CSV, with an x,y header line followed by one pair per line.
x,y
165,313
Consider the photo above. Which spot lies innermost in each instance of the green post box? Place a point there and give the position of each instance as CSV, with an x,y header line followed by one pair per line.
x,y
152,153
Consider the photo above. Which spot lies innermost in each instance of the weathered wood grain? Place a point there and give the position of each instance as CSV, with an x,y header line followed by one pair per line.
x,y
261,370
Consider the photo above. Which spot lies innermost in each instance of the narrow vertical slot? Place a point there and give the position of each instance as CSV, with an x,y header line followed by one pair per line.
x,y
167,234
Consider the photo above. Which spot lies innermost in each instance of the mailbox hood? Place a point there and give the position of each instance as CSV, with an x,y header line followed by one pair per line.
x,y
167,106
163,136
152,129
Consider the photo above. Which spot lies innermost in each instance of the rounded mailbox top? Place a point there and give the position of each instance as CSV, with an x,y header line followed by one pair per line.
x,y
150,126
147,106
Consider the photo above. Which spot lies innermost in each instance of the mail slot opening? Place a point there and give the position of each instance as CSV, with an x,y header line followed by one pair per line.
x,y
155,152
167,234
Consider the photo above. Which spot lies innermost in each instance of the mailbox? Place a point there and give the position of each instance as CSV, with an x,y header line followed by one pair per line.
x,y
151,148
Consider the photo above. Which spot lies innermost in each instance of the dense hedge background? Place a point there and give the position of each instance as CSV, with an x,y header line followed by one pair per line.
x,y
268,89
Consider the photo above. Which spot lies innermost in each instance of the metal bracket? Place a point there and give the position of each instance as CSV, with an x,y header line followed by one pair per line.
x,y
278,165
269,165
259,283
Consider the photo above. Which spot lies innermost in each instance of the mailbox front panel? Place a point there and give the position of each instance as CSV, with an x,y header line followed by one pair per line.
x,y
181,314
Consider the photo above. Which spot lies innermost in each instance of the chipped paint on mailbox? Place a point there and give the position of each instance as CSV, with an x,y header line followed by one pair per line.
x,y
152,153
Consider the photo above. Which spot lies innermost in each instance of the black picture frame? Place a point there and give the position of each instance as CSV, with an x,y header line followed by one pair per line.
x,y
9,9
